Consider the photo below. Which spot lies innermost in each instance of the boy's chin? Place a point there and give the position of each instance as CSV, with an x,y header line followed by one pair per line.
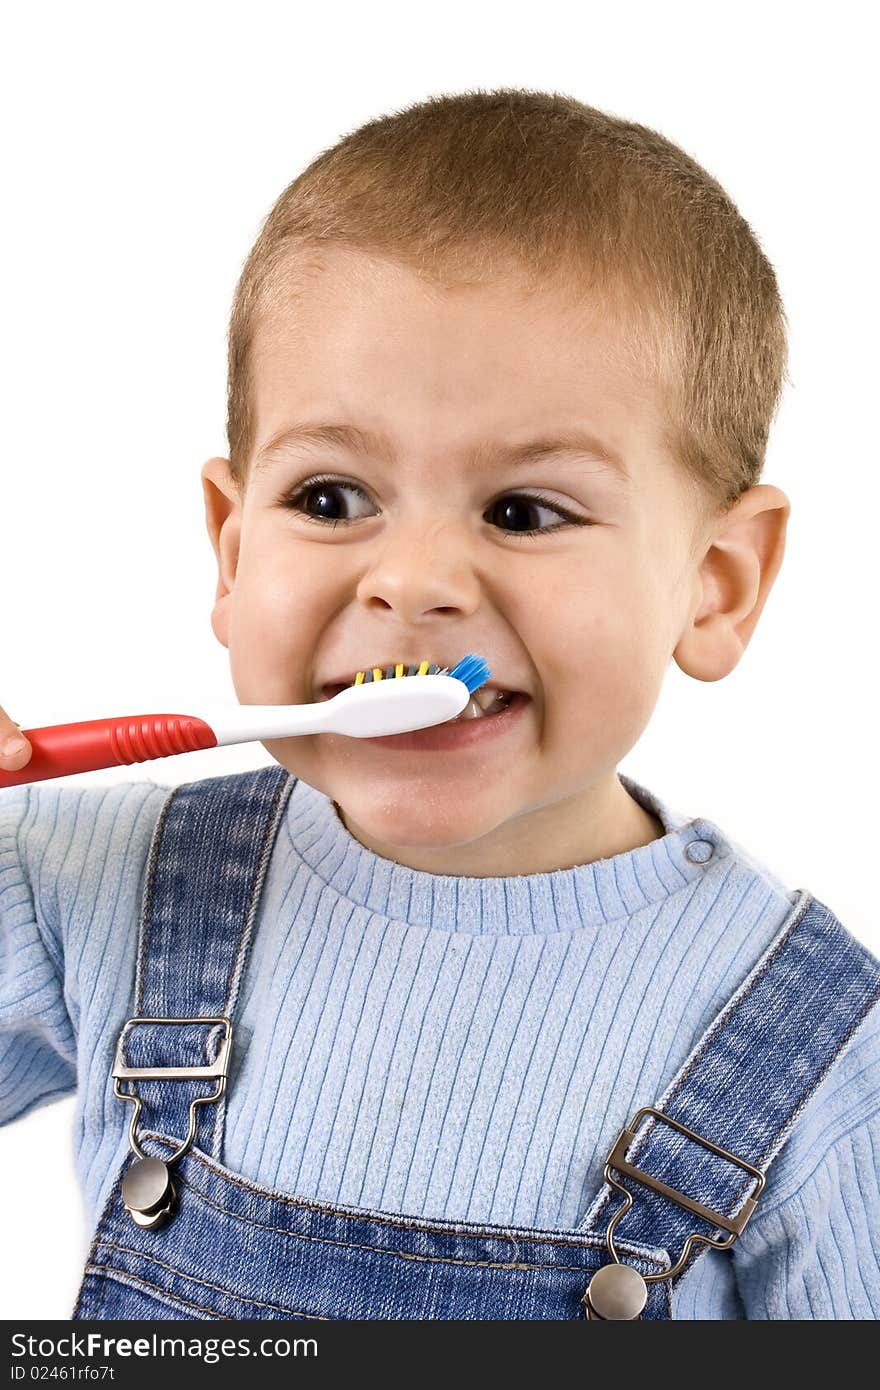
x,y
408,813
433,822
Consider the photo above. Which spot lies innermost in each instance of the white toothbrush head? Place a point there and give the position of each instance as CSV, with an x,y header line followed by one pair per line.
x,y
376,708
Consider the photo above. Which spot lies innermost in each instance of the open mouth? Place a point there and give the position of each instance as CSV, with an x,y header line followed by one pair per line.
x,y
484,703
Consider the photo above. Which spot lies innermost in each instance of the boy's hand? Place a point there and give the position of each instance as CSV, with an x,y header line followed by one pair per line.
x,y
12,759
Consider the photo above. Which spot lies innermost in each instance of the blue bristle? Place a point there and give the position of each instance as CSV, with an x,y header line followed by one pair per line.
x,y
472,671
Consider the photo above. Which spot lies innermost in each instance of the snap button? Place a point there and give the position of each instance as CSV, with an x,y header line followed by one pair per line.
x,y
698,851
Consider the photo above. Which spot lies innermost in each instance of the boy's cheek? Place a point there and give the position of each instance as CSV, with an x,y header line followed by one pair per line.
x,y
608,709
276,627
608,681
270,654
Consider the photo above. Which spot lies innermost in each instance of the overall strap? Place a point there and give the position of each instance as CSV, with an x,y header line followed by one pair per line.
x,y
743,1086
206,866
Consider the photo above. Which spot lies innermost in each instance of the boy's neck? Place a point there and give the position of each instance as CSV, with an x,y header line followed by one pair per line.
x,y
599,823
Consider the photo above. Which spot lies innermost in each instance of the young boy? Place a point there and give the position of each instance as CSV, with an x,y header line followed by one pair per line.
x,y
502,369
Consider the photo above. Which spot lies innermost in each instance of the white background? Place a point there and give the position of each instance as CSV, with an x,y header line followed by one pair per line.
x,y
144,144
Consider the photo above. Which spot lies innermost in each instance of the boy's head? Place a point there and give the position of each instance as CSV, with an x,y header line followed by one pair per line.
x,y
429,307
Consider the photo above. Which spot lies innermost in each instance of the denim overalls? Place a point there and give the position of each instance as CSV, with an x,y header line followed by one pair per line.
x,y
216,1245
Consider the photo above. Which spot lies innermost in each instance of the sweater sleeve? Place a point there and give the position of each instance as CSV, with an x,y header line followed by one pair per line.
x,y
812,1249
37,1033
72,862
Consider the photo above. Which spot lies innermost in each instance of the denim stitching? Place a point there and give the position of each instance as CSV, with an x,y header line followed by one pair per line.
x,y
270,834
593,1241
101,1299
107,1273
382,1250
237,1181
723,1022
217,1288
148,898
216,1122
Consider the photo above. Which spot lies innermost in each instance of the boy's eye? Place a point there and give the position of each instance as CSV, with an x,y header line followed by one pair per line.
x,y
318,500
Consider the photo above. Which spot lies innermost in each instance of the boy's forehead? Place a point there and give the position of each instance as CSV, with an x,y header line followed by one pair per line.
x,y
328,298
372,345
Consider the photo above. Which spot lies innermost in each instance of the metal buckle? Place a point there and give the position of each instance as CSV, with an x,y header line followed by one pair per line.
x,y
212,1069
216,1070
734,1225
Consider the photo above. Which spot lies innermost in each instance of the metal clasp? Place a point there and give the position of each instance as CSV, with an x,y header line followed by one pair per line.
x,y
216,1070
734,1225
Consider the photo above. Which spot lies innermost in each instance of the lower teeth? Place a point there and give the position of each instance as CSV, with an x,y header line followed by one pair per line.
x,y
474,710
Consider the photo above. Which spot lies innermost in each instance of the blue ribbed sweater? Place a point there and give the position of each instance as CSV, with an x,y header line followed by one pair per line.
x,y
463,1048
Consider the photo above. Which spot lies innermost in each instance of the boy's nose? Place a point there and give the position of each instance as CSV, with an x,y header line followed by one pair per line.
x,y
422,572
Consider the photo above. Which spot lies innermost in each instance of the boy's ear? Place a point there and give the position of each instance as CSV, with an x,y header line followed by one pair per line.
x,y
223,518
740,562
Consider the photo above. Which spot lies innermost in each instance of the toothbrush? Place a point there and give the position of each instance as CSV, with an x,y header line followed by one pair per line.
x,y
378,703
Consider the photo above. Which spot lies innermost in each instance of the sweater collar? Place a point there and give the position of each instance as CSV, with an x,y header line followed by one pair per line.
x,y
584,895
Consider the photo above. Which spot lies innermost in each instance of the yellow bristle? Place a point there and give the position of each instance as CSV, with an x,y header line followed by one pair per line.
x,y
399,670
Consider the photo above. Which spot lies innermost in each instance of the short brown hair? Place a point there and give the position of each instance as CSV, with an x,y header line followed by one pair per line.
x,y
458,184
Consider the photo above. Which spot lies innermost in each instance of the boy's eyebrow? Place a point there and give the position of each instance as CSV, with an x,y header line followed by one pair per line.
x,y
371,444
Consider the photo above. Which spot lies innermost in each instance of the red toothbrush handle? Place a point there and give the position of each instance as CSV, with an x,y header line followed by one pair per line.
x,y
59,750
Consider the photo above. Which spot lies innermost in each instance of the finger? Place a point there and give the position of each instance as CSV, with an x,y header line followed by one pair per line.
x,y
15,749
